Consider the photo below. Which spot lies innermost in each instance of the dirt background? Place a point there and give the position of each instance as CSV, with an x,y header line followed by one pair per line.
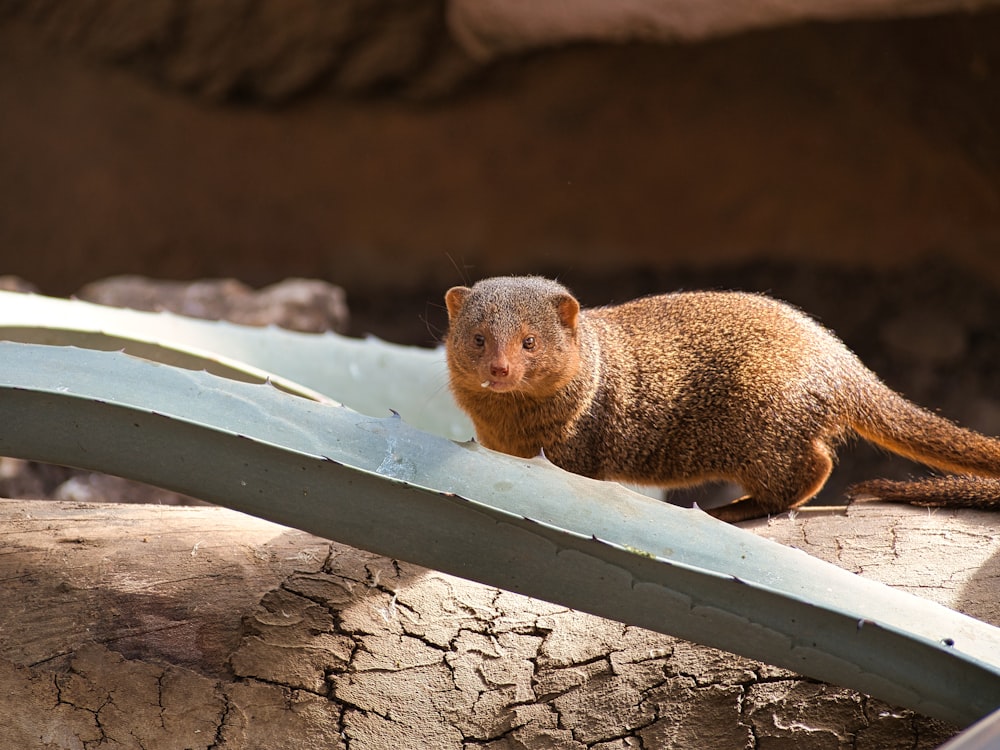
x,y
356,143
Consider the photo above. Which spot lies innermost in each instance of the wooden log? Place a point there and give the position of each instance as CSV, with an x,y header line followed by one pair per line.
x,y
125,626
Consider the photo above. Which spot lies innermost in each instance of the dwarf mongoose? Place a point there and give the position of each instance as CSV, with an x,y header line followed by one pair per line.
x,y
684,388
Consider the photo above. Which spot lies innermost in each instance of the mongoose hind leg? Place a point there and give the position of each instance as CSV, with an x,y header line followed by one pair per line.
x,y
745,508
777,486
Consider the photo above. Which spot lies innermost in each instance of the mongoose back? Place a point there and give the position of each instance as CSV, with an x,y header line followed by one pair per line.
x,y
680,389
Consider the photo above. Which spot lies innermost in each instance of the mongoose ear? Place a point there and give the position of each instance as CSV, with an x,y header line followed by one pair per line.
x,y
454,299
568,309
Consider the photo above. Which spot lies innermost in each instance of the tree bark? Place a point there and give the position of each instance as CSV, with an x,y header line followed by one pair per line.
x,y
175,627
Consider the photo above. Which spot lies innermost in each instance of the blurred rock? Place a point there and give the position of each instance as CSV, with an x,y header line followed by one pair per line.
x,y
16,284
89,487
267,50
489,28
29,480
297,304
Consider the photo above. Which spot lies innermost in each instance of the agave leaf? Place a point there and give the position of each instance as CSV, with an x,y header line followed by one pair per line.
x,y
983,735
370,376
526,526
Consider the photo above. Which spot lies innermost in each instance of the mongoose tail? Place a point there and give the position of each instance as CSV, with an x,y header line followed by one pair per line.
x,y
934,492
894,423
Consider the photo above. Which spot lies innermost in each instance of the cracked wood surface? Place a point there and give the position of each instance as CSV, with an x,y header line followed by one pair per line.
x,y
168,627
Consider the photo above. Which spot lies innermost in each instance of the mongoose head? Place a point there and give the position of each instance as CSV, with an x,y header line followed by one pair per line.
x,y
513,335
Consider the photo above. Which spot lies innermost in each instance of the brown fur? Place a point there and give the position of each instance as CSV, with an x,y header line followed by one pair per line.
x,y
685,388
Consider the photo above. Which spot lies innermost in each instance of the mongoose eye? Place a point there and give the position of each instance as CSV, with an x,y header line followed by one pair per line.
x,y
479,340
528,343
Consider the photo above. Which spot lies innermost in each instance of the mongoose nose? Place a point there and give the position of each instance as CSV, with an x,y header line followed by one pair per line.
x,y
499,369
